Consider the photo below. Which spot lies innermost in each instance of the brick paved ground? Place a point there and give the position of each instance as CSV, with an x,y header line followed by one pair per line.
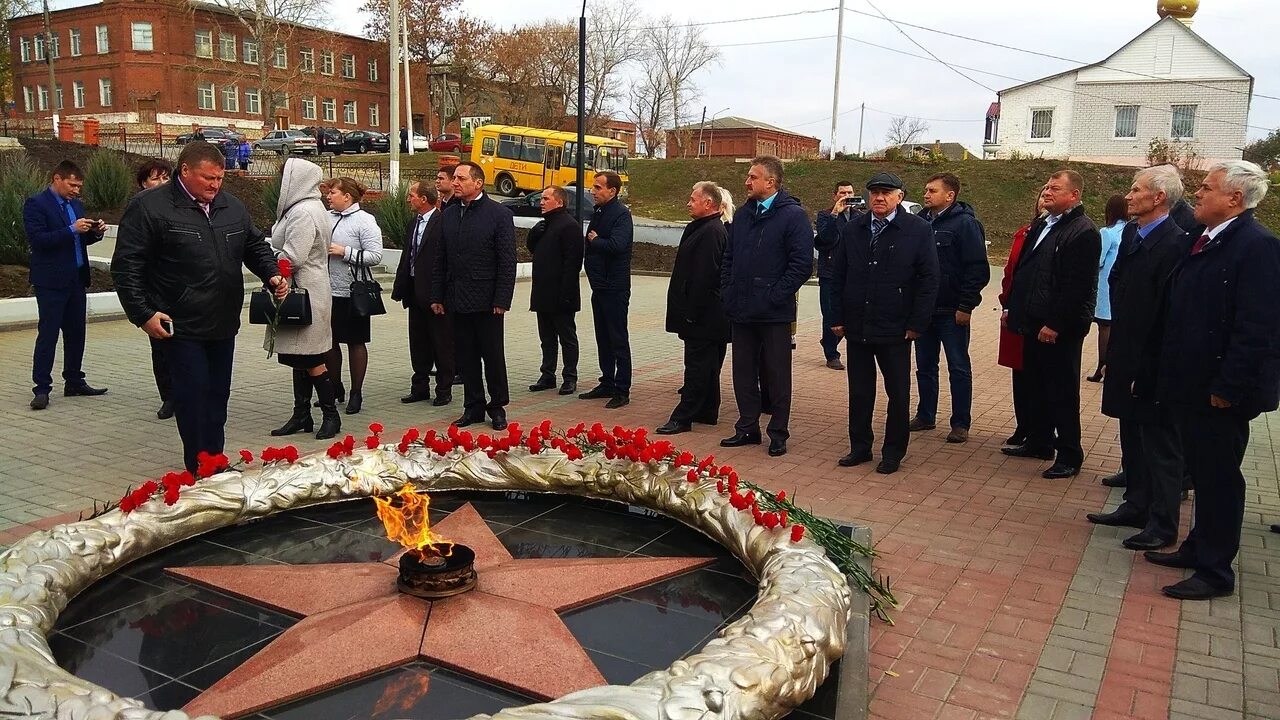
x,y
1012,605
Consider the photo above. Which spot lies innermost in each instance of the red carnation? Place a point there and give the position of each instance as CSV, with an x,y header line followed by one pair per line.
x,y
149,488
719,486
126,504
291,453
246,457
770,520
335,450
782,495
684,458
348,444
286,267
171,495
693,476
371,442
797,532
375,428
573,453
545,427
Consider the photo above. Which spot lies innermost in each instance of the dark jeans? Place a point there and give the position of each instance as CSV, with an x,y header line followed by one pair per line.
x,y
482,359
762,357
944,334
1153,468
431,352
1213,445
609,312
894,360
62,310
558,332
828,297
700,396
200,372
1053,396
160,369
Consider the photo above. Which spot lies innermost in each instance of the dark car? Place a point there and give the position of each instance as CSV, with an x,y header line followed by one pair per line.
x,y
218,136
531,205
332,137
363,141
450,142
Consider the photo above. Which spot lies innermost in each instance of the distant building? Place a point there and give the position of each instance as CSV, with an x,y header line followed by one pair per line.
x,y
948,150
735,137
1166,83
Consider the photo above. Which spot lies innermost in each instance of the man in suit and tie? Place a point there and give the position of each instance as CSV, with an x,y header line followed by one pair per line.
x,y
1220,366
474,278
1051,302
1151,246
430,335
58,234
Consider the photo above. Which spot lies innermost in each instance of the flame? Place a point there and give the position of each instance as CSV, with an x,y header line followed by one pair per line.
x,y
409,525
401,694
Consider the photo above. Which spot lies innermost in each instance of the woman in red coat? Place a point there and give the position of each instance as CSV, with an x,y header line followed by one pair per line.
x,y
1010,353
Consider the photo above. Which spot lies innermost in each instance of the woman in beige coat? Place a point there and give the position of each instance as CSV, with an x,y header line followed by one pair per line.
x,y
302,233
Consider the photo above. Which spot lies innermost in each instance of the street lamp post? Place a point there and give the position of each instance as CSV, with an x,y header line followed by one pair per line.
x,y
711,138
582,102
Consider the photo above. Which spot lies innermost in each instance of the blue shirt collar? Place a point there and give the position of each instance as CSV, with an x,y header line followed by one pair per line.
x,y
766,203
1145,230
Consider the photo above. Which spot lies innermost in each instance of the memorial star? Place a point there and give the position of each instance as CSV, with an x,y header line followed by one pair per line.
x,y
356,623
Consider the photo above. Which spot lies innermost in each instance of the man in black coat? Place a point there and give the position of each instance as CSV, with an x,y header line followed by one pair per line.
x,y
1051,302
830,223
556,246
474,278
430,336
1220,366
608,263
1152,245
694,312
886,267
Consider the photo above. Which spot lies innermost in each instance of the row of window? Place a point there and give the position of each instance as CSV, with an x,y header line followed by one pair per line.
x,y
250,52
207,96
1182,126
38,99
33,48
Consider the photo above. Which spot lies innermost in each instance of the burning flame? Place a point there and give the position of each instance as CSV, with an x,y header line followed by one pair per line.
x,y
409,525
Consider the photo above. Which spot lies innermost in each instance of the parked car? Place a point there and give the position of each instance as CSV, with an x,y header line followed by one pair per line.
x,y
363,141
287,142
219,136
450,142
531,205
421,143
332,137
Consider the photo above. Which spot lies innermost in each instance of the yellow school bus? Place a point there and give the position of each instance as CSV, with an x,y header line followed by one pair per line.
x,y
517,158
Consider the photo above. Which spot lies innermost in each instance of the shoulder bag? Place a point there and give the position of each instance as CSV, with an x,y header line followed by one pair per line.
x,y
366,293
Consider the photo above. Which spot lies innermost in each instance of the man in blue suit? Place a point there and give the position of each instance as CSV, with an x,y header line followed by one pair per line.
x,y
59,233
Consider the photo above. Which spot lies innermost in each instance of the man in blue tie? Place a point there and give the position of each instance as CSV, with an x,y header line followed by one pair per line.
x,y
58,234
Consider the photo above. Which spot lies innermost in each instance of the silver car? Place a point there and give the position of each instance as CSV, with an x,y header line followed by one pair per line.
x,y
287,142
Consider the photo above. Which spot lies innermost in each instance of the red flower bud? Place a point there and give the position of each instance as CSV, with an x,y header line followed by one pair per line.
x,y
719,486
246,457
286,267
693,476
797,532
375,428
781,496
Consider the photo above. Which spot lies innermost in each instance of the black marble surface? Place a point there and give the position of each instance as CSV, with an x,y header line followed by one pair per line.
x,y
146,635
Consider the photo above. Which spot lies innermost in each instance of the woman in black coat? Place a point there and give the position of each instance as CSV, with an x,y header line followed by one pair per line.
x,y
557,247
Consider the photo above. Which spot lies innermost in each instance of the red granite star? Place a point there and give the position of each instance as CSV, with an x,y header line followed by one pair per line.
x,y
356,623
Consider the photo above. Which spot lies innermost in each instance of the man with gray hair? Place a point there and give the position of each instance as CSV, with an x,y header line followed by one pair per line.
x,y
1220,366
1151,246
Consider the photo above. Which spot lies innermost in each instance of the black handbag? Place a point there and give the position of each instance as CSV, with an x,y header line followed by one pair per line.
x,y
366,293
294,310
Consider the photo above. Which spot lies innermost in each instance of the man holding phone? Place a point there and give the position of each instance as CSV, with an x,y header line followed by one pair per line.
x,y
59,234
830,224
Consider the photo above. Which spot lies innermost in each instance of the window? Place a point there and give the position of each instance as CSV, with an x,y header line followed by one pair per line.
x,y
487,146
309,108
26,99
1184,122
330,109
349,112
373,70
1127,121
104,92
204,96
204,43
57,96
250,52
702,148
42,98
24,47
77,94
101,35
307,60
231,99
38,42
55,46
326,63
348,66
280,59
75,42
533,149
142,37
374,120
509,147
1042,124
252,102
227,47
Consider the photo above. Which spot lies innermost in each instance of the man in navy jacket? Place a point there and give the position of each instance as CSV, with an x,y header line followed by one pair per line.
x,y
768,257
608,263
1220,366
58,234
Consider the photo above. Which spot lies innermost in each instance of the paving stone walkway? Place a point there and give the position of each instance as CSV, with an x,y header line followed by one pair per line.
x,y
1013,606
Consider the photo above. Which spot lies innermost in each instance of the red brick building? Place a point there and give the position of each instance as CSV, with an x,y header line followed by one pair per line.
x,y
172,63
735,137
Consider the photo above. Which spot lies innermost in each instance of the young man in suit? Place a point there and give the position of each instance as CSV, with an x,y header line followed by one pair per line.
x,y
607,260
430,335
59,234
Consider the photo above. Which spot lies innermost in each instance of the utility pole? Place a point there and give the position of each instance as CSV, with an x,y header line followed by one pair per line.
x,y
408,84
835,93
698,152
48,56
393,39
582,103
862,115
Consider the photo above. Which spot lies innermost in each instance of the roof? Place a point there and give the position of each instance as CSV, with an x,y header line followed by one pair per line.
x,y
545,134
733,122
949,150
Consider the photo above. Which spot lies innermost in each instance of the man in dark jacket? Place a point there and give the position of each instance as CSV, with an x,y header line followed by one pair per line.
x,y
59,235
177,271
962,261
1220,366
1051,301
830,223
608,263
474,278
430,336
1151,246
768,257
694,312
886,268
556,246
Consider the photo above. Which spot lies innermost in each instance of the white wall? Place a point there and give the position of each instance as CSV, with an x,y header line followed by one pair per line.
x,y
1015,118
1167,50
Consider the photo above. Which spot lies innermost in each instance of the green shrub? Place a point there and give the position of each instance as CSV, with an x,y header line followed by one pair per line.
x,y
394,215
108,181
19,180
271,192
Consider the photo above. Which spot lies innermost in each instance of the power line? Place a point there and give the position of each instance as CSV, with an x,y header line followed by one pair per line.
x,y
797,13
927,50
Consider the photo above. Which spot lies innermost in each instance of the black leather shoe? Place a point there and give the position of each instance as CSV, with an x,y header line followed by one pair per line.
x,y
1173,559
1026,451
1119,518
1146,541
354,402
740,439
1275,528
457,380
777,448
1015,440
1116,480
465,421
414,397
442,400
617,401
40,401
82,389
499,423
1193,588
596,393
1059,471
166,410
569,387
542,385
852,459
888,467
673,428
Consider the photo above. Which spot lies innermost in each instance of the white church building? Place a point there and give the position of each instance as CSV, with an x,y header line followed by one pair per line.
x,y
1167,82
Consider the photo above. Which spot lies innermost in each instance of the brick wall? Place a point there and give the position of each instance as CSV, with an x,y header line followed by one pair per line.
x,y
1015,118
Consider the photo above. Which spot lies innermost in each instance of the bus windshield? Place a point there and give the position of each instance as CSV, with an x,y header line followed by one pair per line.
x,y
613,158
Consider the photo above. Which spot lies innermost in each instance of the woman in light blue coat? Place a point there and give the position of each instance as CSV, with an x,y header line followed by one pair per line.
x,y
1117,216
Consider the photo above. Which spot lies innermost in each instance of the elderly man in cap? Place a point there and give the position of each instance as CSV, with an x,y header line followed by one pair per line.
x,y
885,269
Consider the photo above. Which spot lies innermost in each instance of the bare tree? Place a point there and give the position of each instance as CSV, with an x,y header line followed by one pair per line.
x,y
905,130
679,51
611,46
649,105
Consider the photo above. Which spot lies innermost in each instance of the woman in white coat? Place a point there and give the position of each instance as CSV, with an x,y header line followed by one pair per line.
x,y
302,233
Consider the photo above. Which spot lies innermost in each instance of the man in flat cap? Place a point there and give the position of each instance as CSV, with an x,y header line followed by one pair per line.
x,y
885,269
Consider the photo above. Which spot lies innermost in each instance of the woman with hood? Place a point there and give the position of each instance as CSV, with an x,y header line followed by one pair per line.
x,y
303,233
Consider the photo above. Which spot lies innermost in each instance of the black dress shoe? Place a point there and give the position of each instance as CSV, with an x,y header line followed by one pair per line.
x,y
777,448
40,401
82,389
1193,588
1119,518
853,459
618,401
569,387
442,400
166,410
1275,528
673,428
499,423
1026,451
888,467
740,439
542,385
1146,541
465,421
1060,470
1173,559
1015,440
458,380
596,393
1118,479
414,397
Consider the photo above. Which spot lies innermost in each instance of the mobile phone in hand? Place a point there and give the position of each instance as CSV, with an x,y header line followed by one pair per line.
x,y
167,326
